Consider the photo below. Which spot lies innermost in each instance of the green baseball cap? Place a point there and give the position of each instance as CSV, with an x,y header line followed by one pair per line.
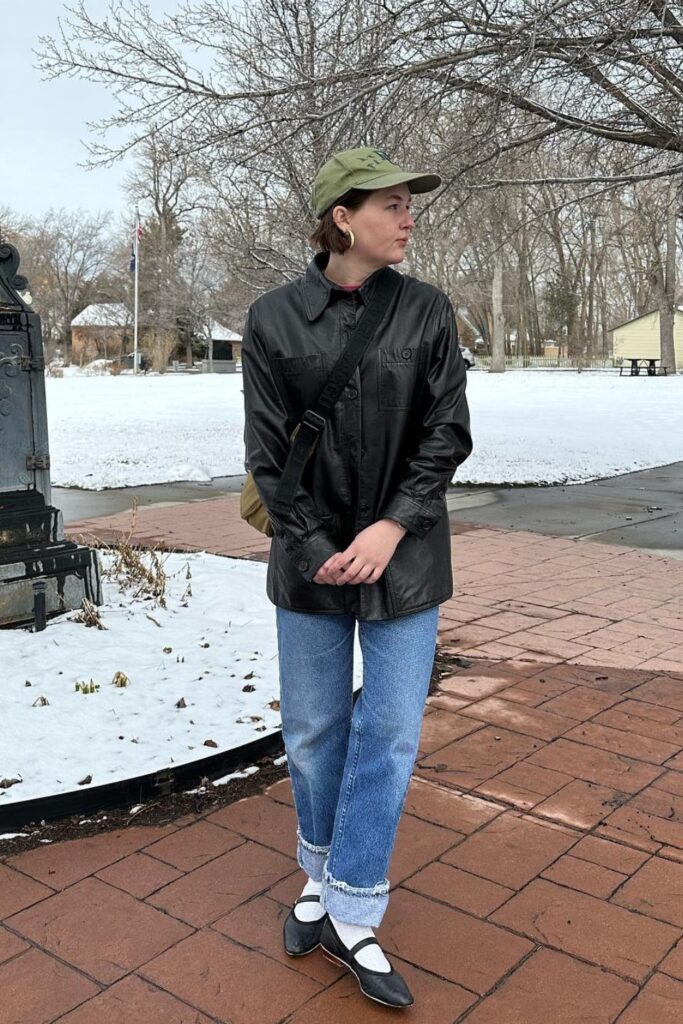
x,y
363,168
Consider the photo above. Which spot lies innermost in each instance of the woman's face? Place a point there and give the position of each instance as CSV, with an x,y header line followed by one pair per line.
x,y
381,226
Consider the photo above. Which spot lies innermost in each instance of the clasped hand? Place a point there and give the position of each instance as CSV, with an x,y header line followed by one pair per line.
x,y
366,557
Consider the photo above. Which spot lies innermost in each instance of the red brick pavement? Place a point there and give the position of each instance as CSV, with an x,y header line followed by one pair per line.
x,y
538,870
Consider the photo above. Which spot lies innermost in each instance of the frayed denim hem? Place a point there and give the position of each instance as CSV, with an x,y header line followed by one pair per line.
x,y
311,858
354,905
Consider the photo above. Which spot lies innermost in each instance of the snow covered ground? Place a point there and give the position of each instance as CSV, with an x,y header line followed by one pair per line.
x,y
529,426
199,649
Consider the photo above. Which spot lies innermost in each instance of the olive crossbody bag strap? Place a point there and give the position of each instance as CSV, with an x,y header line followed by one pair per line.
x,y
314,419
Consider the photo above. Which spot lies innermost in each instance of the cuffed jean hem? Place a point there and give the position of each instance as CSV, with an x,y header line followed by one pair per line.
x,y
354,905
311,858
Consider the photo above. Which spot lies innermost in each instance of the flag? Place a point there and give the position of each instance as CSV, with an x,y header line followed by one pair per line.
x,y
137,235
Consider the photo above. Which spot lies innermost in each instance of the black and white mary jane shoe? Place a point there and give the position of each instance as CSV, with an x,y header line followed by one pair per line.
x,y
302,936
387,987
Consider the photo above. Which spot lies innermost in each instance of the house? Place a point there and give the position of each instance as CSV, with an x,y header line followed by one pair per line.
x,y
640,337
223,347
102,330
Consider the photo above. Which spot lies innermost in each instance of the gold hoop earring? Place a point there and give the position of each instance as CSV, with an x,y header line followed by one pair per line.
x,y
351,235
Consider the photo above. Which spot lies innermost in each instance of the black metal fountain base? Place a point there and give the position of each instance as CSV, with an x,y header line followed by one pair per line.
x,y
41,573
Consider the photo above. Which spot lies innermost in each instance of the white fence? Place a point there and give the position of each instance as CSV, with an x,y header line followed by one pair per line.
x,y
552,362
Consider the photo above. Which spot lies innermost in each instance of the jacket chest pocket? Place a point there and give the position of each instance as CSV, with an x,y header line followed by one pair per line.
x,y
299,379
397,375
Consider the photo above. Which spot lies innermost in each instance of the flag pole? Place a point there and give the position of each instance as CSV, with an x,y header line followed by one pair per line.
x,y
137,264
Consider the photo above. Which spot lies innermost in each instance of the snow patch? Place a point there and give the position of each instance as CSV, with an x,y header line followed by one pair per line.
x,y
528,427
216,649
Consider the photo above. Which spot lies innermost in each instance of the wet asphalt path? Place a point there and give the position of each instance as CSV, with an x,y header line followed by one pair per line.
x,y
640,510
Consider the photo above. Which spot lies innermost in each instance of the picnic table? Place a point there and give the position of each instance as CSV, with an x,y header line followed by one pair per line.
x,y
636,362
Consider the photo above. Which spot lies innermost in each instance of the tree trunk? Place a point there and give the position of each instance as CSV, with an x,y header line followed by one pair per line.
x,y
160,323
667,294
604,330
572,342
590,312
522,282
534,308
498,334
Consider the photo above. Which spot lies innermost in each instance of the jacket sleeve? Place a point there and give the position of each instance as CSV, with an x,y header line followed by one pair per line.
x,y
267,443
444,439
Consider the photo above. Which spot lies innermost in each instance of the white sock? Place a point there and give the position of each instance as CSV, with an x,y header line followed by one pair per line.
x,y
310,911
370,956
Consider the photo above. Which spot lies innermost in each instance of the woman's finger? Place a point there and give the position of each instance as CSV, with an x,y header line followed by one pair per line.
x,y
352,573
345,574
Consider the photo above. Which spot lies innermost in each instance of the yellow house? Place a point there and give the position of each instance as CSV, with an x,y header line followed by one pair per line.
x,y
640,337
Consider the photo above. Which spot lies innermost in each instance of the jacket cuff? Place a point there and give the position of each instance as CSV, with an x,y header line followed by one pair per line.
x,y
310,554
416,517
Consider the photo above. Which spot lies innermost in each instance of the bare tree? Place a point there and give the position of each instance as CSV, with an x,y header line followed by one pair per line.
x,y
498,333
663,274
563,107
164,184
64,254
613,72
11,224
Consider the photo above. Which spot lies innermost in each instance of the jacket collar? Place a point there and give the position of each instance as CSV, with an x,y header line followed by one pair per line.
x,y
318,289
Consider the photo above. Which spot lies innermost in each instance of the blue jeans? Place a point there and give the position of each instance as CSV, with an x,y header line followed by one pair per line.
x,y
350,765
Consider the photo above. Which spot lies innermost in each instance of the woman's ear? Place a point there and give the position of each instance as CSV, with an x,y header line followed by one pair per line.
x,y
340,216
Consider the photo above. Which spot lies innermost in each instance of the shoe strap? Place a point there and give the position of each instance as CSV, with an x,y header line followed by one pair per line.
x,y
308,899
360,945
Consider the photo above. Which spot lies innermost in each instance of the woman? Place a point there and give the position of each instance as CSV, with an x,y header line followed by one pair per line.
x,y
367,539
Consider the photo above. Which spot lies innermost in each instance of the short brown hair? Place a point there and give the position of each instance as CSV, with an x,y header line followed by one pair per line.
x,y
327,237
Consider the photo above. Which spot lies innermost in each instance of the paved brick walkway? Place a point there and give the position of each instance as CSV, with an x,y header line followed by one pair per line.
x,y
538,870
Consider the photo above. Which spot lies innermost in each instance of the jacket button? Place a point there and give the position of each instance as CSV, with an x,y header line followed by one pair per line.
x,y
407,353
424,521
351,392
303,565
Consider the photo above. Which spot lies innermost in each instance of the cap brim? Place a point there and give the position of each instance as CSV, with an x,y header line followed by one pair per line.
x,y
416,182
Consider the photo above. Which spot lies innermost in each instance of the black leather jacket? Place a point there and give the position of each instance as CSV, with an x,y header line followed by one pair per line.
x,y
398,432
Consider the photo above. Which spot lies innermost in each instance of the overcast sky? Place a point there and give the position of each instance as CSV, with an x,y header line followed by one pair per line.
x,y
43,123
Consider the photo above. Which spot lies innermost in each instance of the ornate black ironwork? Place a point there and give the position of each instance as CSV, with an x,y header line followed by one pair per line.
x,y
11,283
41,573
